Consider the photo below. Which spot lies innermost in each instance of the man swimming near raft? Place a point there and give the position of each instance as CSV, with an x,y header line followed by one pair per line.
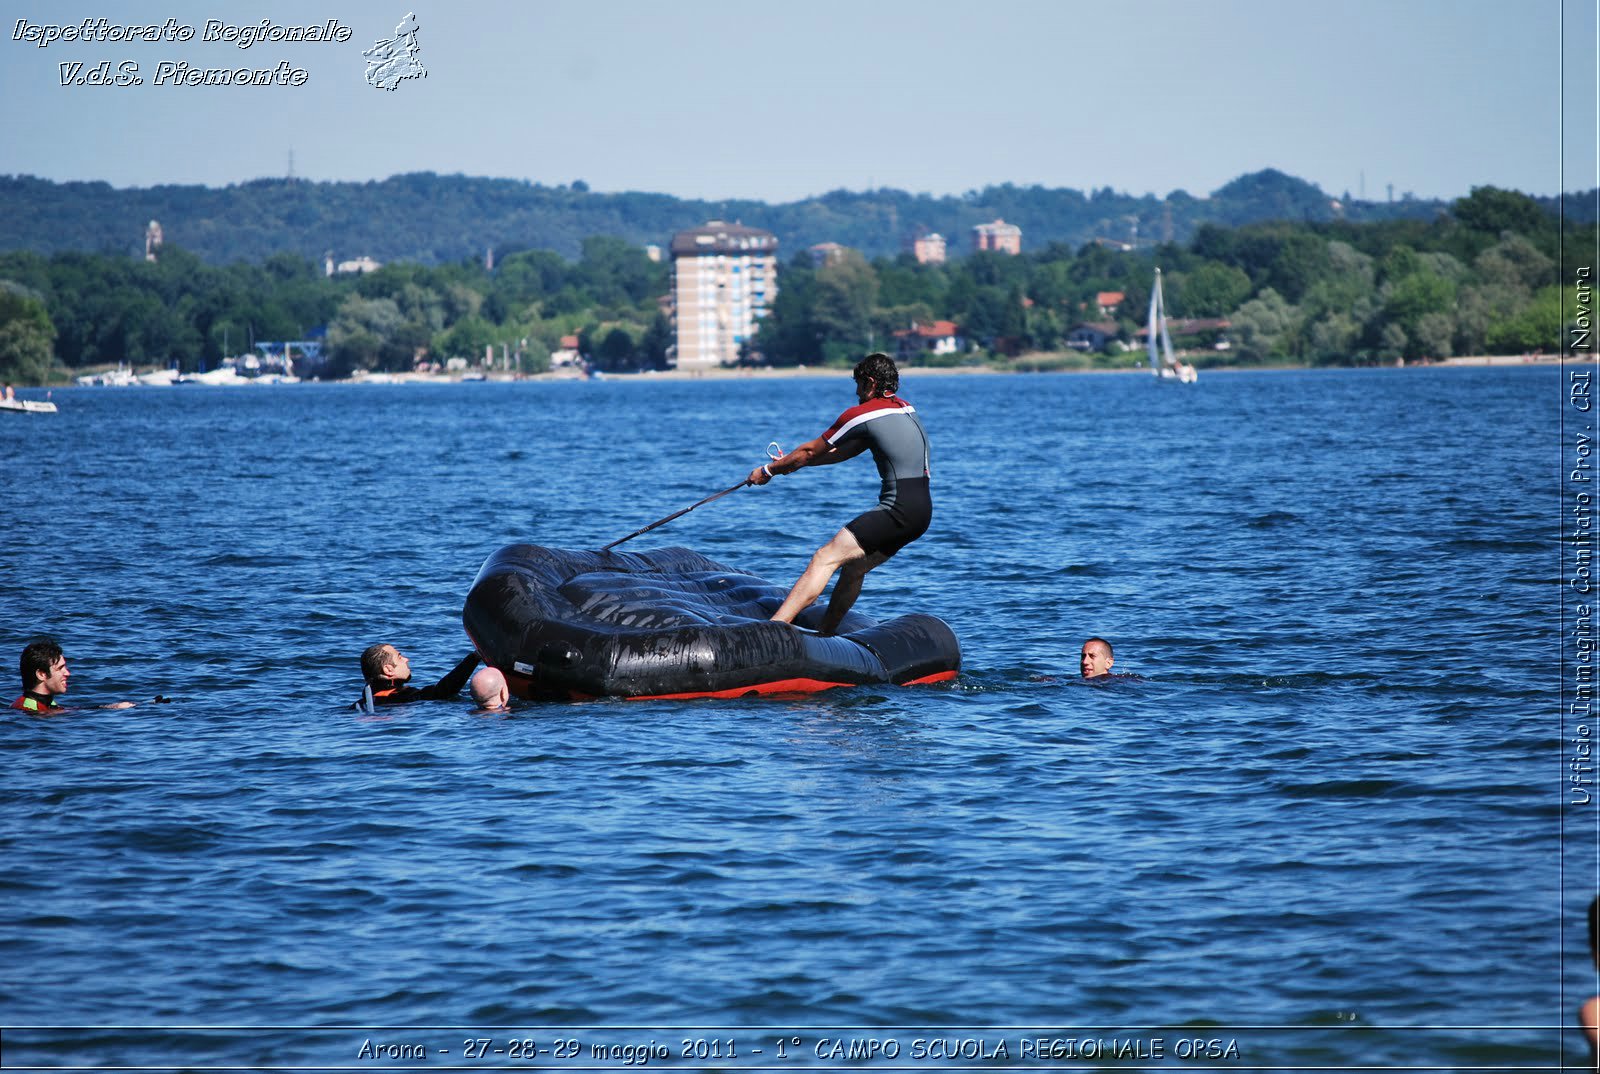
x,y
489,690
388,675
888,426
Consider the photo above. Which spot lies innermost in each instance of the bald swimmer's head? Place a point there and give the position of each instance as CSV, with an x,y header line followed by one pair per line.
x,y
489,689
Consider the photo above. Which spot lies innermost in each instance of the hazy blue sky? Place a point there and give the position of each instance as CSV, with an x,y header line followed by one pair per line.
x,y
762,100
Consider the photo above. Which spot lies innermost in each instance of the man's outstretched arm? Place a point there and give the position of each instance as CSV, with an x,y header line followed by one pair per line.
x,y
816,452
451,684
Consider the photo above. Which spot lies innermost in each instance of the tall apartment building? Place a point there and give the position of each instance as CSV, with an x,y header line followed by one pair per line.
x,y
1001,236
724,278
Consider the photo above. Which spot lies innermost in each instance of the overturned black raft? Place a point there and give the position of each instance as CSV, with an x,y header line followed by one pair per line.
x,y
671,623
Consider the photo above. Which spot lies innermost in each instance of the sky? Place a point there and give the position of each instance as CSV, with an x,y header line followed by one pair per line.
x,y
716,100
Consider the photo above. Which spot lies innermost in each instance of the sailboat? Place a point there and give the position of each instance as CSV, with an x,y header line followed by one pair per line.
x,y
1165,365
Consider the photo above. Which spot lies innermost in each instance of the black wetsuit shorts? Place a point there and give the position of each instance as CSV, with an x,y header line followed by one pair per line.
x,y
887,528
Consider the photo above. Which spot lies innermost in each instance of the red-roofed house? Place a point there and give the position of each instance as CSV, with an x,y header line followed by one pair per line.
x,y
937,338
1108,301
566,354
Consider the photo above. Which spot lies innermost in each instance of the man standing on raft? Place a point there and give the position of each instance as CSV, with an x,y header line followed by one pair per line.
x,y
887,426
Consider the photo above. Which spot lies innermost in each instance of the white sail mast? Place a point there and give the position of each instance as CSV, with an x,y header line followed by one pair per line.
x,y
1156,323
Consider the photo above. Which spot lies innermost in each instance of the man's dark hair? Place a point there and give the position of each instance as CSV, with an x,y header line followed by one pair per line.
x,y
1102,641
881,368
372,661
37,660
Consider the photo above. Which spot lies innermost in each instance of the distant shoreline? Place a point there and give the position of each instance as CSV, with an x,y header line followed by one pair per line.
x,y
911,372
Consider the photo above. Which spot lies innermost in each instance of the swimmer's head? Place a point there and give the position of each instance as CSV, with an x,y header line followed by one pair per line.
x,y
489,689
1095,660
44,669
384,663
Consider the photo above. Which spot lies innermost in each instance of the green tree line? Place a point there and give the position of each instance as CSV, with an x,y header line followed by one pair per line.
x,y
1480,278
93,309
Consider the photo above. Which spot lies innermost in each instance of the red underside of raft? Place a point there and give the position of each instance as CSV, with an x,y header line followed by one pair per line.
x,y
782,687
779,688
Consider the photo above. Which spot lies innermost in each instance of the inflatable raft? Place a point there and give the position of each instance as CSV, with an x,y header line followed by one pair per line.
x,y
670,623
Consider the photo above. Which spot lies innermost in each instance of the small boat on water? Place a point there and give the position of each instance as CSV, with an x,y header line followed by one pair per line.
x,y
120,377
1165,365
225,377
670,623
27,406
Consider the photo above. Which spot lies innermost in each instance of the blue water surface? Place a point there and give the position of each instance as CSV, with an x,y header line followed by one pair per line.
x,y
1331,801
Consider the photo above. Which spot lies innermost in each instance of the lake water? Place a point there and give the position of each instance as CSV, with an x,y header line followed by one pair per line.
x,y
1324,827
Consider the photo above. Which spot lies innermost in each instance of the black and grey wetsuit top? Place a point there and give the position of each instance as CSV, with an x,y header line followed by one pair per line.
x,y
895,437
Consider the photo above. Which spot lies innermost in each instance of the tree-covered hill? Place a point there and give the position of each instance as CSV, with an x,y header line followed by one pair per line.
x,y
436,219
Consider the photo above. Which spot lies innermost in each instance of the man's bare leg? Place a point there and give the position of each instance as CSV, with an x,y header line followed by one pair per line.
x,y
848,588
829,558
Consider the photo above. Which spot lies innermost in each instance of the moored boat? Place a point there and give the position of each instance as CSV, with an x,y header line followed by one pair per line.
x,y
120,377
28,406
225,377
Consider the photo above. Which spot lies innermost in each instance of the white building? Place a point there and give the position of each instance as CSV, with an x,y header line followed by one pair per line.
x,y
724,278
362,264
999,235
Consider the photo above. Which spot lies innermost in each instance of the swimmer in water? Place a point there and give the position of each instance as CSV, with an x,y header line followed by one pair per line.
x,y
888,426
44,678
388,675
1095,660
489,690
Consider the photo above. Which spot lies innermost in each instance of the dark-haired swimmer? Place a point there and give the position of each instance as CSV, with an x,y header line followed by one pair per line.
x,y
888,426
388,676
1095,659
44,678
